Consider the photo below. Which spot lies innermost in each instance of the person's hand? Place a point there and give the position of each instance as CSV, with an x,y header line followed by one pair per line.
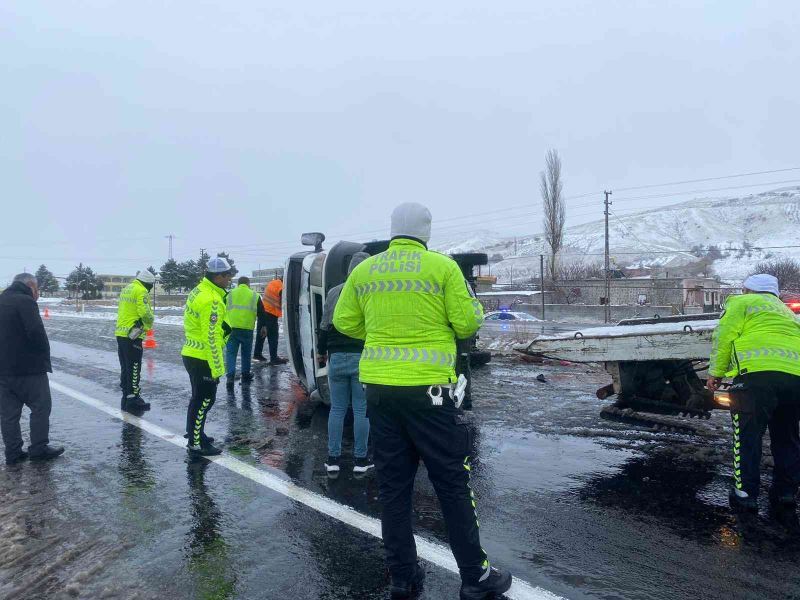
x,y
262,332
712,383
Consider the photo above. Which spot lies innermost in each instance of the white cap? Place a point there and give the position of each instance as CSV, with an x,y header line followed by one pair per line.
x,y
762,282
218,265
413,220
145,276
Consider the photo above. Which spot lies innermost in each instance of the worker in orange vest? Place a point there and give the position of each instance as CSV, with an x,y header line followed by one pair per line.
x,y
272,306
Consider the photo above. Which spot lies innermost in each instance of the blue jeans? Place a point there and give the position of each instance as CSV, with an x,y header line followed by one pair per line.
x,y
346,388
243,338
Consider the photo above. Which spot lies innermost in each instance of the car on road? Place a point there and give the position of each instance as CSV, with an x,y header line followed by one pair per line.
x,y
509,316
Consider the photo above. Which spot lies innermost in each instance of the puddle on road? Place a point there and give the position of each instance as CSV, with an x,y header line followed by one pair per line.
x,y
547,463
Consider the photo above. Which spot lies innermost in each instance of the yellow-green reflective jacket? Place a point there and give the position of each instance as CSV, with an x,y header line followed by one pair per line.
x,y
202,326
242,307
409,305
757,332
134,305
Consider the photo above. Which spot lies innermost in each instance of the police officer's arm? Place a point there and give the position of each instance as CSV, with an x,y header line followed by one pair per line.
x,y
464,311
730,327
348,318
211,321
145,311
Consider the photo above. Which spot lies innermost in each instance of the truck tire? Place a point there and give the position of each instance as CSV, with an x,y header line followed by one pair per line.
x,y
478,358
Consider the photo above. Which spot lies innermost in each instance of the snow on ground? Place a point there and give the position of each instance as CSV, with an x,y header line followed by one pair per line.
x,y
660,237
108,315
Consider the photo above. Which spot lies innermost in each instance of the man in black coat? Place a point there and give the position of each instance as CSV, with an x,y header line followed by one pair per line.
x,y
24,365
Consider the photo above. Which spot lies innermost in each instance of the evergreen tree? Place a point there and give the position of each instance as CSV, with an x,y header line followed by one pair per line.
x,y
170,276
48,283
84,283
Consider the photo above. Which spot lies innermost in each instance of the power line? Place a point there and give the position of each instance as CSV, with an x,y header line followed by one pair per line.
x,y
671,183
735,187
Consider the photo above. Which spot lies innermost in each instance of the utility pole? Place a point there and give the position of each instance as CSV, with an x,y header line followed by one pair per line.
x,y
541,283
607,264
170,237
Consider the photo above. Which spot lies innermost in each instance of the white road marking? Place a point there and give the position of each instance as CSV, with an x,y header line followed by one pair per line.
x,y
427,550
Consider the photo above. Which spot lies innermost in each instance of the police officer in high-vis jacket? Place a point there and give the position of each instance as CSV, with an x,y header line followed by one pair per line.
x,y
757,343
410,304
134,318
243,308
204,350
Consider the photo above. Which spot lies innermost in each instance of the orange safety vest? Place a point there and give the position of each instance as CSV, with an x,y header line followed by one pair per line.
x,y
272,297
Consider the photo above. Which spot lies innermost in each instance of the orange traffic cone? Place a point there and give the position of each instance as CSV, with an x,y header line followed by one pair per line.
x,y
150,340
46,313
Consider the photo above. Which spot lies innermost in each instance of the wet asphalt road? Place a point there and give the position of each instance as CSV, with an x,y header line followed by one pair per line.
x,y
571,503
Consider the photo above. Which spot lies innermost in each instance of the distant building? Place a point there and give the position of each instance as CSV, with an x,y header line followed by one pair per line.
x,y
261,277
114,284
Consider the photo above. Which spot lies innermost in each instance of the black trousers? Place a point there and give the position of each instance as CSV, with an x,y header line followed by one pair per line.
x,y
405,428
761,400
271,323
130,365
204,394
32,391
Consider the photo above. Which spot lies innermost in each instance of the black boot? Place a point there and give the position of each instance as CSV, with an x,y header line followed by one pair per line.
x,y
48,453
137,404
740,504
783,510
17,459
496,583
247,377
408,588
229,385
204,449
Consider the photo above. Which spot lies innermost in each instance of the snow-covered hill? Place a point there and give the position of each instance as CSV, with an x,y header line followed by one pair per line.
x,y
739,227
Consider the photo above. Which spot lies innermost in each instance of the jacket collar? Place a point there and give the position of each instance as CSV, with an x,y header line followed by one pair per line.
x,y
407,241
20,287
208,285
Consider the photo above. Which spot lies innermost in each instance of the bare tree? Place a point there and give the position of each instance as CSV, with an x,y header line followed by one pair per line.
x,y
551,185
786,270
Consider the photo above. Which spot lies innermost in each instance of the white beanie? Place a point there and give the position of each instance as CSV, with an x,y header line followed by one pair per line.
x,y
411,219
146,276
762,282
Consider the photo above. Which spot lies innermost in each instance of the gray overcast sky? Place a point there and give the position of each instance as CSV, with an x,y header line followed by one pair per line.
x,y
238,125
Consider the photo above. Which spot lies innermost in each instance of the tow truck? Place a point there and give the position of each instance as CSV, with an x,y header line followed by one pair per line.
x,y
655,366
308,277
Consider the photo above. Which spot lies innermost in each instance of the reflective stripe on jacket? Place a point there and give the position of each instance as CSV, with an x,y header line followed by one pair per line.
x,y
410,305
272,297
134,305
757,332
241,308
202,326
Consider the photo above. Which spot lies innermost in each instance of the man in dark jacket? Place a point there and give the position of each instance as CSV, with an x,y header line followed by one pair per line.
x,y
24,365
